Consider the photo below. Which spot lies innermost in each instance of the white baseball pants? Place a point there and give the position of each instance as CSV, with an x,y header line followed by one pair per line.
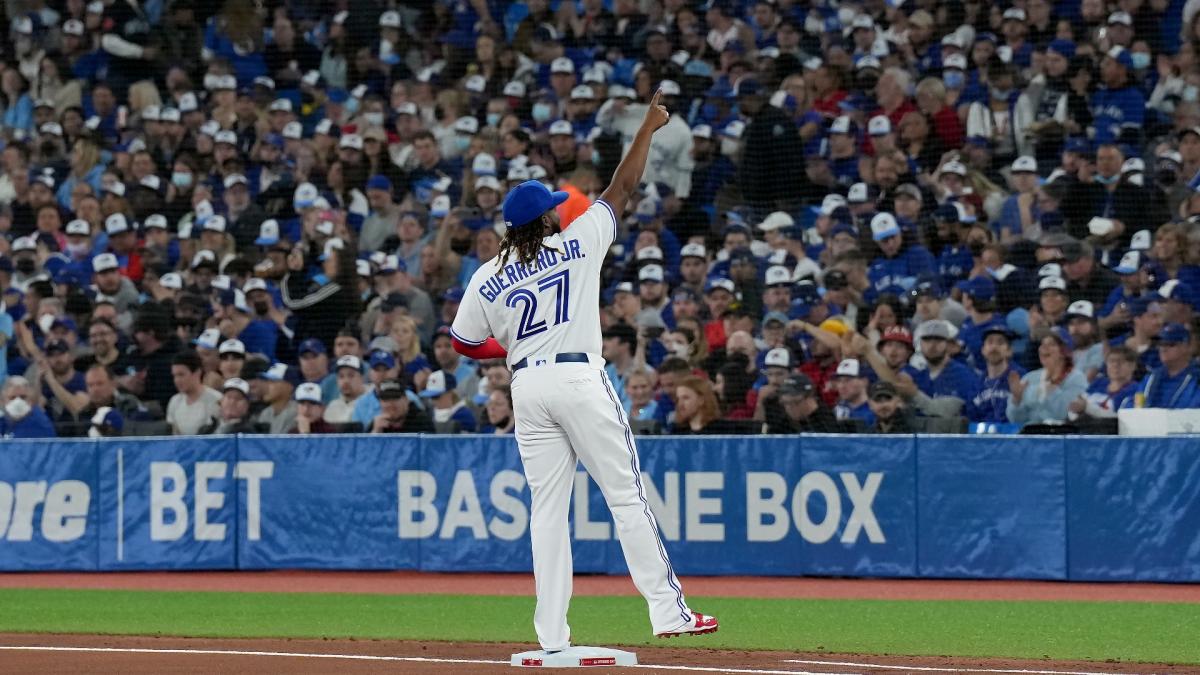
x,y
567,412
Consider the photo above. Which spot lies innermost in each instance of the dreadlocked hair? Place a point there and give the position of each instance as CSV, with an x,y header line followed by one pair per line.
x,y
525,241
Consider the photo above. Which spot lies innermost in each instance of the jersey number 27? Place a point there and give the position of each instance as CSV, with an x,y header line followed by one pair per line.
x,y
528,300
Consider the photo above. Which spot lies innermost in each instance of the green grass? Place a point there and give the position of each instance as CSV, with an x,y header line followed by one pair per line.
x,y
1146,632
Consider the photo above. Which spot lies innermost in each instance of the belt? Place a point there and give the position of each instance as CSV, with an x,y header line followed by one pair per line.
x,y
565,357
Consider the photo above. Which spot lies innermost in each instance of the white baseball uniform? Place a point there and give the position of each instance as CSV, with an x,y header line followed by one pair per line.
x,y
568,411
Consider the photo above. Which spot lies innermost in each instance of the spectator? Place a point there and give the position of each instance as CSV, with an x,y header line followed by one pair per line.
x,y
63,387
946,384
310,412
1175,383
195,406
620,344
321,304
697,411
796,408
1089,349
279,415
990,403
1042,395
22,418
234,416
447,406
643,407
106,423
350,387
396,414
102,392
850,381
1112,391
891,414
500,417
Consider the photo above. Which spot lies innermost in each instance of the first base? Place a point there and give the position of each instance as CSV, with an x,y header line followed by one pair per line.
x,y
575,657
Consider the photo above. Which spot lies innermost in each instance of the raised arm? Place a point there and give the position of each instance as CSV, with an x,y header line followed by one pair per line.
x,y
629,172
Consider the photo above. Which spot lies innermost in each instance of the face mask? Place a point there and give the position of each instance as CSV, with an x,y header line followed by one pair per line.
x,y
493,119
1141,60
373,119
954,79
17,408
541,112
1106,180
78,251
1166,177
181,179
26,266
262,308
729,146
351,106
976,248
93,432
1191,93
462,143
1000,94
596,157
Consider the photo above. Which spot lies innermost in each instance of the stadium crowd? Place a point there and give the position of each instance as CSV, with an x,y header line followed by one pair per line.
x,y
258,217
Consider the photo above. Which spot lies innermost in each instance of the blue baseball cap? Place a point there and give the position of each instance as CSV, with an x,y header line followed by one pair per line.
x,y
311,345
1065,48
1062,335
454,294
1140,305
979,288
1121,56
1174,333
281,372
528,201
379,182
381,357
107,417
999,328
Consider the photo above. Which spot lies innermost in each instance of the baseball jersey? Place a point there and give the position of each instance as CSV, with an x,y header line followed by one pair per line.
x,y
549,306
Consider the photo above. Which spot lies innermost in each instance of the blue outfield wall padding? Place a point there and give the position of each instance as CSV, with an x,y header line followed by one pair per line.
x,y
329,502
176,507
1134,506
992,507
48,504
1115,509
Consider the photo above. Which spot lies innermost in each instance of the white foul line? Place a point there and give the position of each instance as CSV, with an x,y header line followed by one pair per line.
x,y
948,670
120,504
368,657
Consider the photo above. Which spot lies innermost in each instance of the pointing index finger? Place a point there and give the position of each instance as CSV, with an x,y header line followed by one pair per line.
x,y
657,96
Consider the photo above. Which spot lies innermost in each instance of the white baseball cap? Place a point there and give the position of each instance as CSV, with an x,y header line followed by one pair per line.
x,y
849,368
232,346
268,233
515,89
79,227
305,195
702,131
1024,164
777,275
225,136
883,226
348,361
389,19
1052,282
562,65
1082,308
466,125
879,125
776,221
955,167
236,383
841,125
104,262
651,273
693,251
116,224
293,131
483,165
308,392
779,357
209,339
352,141
171,280
562,128
1141,240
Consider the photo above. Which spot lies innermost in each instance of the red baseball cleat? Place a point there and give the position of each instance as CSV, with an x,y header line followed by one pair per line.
x,y
701,624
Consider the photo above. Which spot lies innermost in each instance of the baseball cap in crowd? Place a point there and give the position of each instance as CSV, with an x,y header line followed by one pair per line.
x,y
390,390
1141,305
311,346
849,368
1131,263
879,125
693,251
439,383
56,347
936,329
381,358
651,273
776,221
308,392
909,190
1141,240
281,372
237,384
1024,164
562,65
107,417
348,361
773,318
797,385
720,284
897,334
884,226
78,227
209,339
977,288
116,224
842,125
171,281
1052,283
777,275
1101,227
104,262
779,357
881,391
454,294
1177,290
1081,309
232,346
1174,333
1063,336
528,201
955,167
268,233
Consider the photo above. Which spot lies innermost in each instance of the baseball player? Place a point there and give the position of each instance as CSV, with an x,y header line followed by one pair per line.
x,y
535,304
